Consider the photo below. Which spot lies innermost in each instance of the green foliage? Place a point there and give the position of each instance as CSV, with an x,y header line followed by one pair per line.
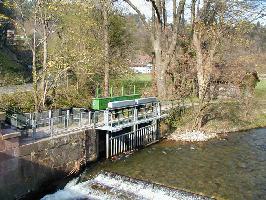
x,y
11,72
260,90
22,101
72,98
120,37
76,52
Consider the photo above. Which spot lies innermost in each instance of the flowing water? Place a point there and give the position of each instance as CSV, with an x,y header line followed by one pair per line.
x,y
231,168
112,186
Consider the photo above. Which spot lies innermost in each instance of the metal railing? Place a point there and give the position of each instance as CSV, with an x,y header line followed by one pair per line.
x,y
49,124
58,122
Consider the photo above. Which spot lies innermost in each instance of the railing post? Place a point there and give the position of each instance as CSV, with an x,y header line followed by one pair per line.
x,y
64,120
94,118
34,126
111,119
159,109
67,119
107,144
80,118
89,118
52,127
135,126
50,120
106,118
16,117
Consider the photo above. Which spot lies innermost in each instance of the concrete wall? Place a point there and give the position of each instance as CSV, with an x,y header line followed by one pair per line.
x,y
27,167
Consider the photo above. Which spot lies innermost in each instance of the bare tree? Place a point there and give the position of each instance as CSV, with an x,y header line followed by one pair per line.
x,y
163,45
212,24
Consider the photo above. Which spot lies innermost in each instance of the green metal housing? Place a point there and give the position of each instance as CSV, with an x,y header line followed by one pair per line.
x,y
102,103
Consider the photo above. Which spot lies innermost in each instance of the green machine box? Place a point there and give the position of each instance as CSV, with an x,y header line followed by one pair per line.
x,y
102,103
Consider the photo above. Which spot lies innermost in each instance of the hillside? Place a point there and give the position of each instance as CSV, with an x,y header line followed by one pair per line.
x,y
12,72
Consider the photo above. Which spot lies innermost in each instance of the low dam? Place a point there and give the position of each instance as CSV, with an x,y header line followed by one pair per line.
x,y
113,186
52,147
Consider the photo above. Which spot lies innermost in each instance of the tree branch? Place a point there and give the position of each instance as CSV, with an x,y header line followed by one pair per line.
x,y
172,47
141,16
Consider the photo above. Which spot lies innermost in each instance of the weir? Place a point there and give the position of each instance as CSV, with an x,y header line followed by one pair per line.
x,y
127,124
124,125
57,143
130,124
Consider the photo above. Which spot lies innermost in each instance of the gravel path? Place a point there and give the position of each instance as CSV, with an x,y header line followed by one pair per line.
x,y
16,88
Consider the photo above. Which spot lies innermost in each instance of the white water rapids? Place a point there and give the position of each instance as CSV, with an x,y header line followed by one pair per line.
x,y
111,186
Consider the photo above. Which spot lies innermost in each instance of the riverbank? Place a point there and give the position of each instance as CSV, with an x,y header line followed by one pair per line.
x,y
216,129
226,117
201,136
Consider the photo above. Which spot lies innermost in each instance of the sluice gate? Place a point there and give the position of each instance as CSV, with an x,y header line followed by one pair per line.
x,y
130,124
132,140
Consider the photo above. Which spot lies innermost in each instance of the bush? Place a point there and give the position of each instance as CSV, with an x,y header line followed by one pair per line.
x,y
23,101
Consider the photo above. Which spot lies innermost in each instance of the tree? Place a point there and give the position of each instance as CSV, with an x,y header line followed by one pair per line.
x,y
6,15
105,4
36,20
213,24
31,42
164,44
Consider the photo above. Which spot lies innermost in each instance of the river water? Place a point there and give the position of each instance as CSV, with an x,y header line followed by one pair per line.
x,y
229,168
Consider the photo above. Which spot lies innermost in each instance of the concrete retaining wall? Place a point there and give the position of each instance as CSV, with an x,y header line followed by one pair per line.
x,y
27,167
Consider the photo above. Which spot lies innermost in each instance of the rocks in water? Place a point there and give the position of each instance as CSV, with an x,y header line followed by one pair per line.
x,y
192,136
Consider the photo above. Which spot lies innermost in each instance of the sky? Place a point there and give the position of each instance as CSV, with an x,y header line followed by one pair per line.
x,y
145,8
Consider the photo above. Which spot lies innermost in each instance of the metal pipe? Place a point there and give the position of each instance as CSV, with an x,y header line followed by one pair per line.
x,y
97,92
122,91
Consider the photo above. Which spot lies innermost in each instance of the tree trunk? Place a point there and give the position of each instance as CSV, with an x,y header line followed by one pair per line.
x,y
193,16
162,51
199,64
106,48
45,55
160,69
34,69
44,71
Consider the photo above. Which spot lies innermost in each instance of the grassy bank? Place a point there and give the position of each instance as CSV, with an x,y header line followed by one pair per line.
x,y
142,84
227,116
260,91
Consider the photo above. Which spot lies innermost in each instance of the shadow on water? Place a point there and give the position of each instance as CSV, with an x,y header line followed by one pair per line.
x,y
234,168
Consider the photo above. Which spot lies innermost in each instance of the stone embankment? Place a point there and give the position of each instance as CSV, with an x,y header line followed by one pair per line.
x,y
27,166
